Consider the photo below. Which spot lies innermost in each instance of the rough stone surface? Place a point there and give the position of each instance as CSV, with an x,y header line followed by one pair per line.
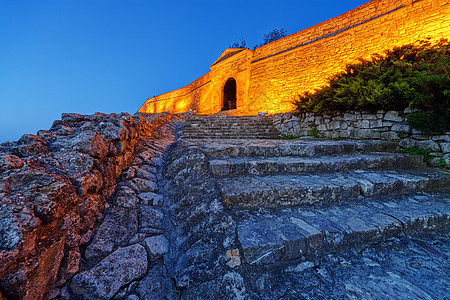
x,y
55,185
116,270
156,285
119,226
156,246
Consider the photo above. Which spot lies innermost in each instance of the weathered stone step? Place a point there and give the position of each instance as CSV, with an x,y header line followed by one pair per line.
x,y
278,236
263,166
231,131
231,127
300,147
241,137
326,189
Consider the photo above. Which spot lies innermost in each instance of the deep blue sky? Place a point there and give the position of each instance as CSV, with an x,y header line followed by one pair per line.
x,y
85,56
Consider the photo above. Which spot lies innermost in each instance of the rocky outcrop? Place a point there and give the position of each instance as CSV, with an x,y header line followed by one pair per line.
x,y
54,187
125,256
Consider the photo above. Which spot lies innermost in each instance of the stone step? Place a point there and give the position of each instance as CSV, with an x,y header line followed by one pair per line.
x,y
243,137
326,189
231,130
274,237
300,147
230,127
263,166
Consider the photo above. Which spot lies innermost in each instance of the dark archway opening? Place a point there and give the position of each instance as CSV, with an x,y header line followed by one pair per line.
x,y
229,95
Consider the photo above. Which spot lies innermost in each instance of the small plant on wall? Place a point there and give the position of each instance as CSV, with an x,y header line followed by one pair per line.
x,y
414,76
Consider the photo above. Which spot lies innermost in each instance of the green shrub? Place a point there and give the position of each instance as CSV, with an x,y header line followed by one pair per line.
x,y
313,132
436,122
419,151
289,137
414,76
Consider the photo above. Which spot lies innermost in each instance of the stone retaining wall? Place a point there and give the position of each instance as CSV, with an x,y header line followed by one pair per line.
x,y
54,186
390,125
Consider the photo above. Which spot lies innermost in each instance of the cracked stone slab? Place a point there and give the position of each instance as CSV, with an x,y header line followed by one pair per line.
x,y
279,235
309,189
118,269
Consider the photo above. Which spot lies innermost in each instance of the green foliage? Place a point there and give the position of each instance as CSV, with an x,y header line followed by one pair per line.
x,y
414,76
289,137
442,163
435,122
419,151
313,132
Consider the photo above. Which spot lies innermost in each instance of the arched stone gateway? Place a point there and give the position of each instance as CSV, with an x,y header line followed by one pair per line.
x,y
229,95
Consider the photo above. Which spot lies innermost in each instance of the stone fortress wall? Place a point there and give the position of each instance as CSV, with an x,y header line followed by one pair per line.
x,y
269,77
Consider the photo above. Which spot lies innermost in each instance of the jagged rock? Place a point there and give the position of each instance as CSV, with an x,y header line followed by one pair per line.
x,y
144,185
69,267
148,168
151,198
75,118
119,225
118,269
150,216
124,196
8,162
156,246
109,170
156,285
44,208
74,163
89,183
29,145
128,173
112,132
141,173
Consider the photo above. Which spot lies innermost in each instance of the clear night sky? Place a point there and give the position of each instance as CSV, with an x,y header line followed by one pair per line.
x,y
85,56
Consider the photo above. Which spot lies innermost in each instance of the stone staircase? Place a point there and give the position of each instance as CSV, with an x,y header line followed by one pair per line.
x,y
259,218
298,199
231,127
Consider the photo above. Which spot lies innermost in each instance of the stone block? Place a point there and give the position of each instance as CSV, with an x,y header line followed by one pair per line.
x,y
369,117
349,117
441,138
445,147
401,127
393,116
407,143
389,135
428,144
156,246
105,279
365,124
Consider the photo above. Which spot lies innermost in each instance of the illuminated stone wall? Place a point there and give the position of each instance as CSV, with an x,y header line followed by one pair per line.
x,y
269,77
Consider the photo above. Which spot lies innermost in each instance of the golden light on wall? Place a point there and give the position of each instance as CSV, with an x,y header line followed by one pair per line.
x,y
269,77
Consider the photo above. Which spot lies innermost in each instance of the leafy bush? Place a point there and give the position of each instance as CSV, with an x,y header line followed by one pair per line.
x,y
414,76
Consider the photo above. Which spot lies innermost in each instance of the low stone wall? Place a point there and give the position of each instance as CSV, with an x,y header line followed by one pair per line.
x,y
54,187
390,125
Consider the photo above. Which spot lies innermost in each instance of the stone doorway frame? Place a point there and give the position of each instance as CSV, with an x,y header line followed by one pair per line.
x,y
229,94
